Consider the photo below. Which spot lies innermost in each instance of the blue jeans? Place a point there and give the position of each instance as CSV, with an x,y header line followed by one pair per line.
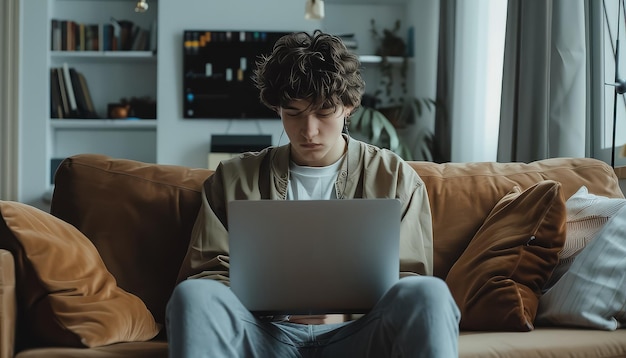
x,y
417,317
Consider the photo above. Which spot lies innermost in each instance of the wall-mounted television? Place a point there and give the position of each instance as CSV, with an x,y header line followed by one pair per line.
x,y
217,73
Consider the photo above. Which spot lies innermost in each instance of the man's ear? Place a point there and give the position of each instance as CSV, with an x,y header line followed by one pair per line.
x,y
348,111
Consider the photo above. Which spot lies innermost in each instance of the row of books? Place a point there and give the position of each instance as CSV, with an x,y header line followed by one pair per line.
x,y
69,94
122,35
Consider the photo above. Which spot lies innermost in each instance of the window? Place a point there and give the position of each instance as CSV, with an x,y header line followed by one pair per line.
x,y
481,28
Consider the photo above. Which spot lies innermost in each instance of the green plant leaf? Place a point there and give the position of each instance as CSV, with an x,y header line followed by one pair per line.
x,y
394,140
377,127
378,130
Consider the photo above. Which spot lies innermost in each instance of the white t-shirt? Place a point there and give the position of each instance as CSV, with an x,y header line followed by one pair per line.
x,y
312,183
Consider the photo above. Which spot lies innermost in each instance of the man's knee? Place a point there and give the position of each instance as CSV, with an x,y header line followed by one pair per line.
x,y
195,292
425,290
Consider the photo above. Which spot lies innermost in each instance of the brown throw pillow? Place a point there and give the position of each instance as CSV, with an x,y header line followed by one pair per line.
x,y
497,281
66,296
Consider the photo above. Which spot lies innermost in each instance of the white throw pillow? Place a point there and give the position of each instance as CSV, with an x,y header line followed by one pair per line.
x,y
586,216
592,293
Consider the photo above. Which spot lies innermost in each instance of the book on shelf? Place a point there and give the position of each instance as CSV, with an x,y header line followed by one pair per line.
x,y
84,107
81,43
69,94
62,93
92,37
140,40
56,105
90,109
126,36
122,35
55,35
108,38
69,87
63,38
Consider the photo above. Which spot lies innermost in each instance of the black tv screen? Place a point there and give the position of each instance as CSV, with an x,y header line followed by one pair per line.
x,y
218,68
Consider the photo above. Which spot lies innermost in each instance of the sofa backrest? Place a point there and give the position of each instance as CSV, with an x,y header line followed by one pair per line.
x,y
462,194
140,215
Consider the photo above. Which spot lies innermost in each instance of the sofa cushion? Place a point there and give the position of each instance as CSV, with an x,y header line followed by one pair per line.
x,y
498,279
592,292
138,215
67,296
586,215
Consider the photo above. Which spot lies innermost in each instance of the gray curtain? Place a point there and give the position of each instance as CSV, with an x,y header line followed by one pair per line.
x,y
9,50
552,80
445,81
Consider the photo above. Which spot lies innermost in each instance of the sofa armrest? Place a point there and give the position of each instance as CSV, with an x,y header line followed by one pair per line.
x,y
8,304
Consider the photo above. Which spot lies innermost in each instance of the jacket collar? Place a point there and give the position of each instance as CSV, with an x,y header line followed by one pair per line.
x,y
346,180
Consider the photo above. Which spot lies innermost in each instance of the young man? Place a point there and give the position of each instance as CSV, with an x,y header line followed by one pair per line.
x,y
313,82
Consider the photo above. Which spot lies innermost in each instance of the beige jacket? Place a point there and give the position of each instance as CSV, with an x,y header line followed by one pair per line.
x,y
367,172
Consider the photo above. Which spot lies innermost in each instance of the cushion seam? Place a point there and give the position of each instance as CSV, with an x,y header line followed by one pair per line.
x,y
134,176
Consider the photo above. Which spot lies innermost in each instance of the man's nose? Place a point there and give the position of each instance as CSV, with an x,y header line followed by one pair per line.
x,y
310,126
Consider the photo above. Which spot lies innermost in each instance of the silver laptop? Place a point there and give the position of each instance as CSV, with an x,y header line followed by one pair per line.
x,y
313,256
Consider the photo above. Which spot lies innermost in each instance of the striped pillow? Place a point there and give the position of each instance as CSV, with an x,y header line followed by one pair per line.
x,y
592,292
586,216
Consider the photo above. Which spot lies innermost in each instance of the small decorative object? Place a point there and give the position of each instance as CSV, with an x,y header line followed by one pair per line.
x,y
142,6
314,10
118,110
133,108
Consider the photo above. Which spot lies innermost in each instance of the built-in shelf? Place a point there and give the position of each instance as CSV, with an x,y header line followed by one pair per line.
x,y
379,59
102,123
104,55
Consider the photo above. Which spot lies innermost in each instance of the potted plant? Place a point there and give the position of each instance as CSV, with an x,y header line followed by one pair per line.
x,y
401,110
378,130
390,45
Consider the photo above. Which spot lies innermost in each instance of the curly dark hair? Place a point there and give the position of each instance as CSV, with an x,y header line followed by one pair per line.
x,y
318,67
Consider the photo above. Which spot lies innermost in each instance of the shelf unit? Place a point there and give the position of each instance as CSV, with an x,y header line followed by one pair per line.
x,y
110,77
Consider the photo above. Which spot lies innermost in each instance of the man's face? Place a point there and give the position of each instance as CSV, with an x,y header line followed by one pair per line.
x,y
315,134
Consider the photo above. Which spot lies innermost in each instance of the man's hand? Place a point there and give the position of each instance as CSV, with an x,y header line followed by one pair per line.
x,y
317,319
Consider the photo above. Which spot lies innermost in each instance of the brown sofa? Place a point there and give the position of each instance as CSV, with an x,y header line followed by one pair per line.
x,y
139,217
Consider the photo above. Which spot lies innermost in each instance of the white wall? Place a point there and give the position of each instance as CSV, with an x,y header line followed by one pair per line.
x,y
33,176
